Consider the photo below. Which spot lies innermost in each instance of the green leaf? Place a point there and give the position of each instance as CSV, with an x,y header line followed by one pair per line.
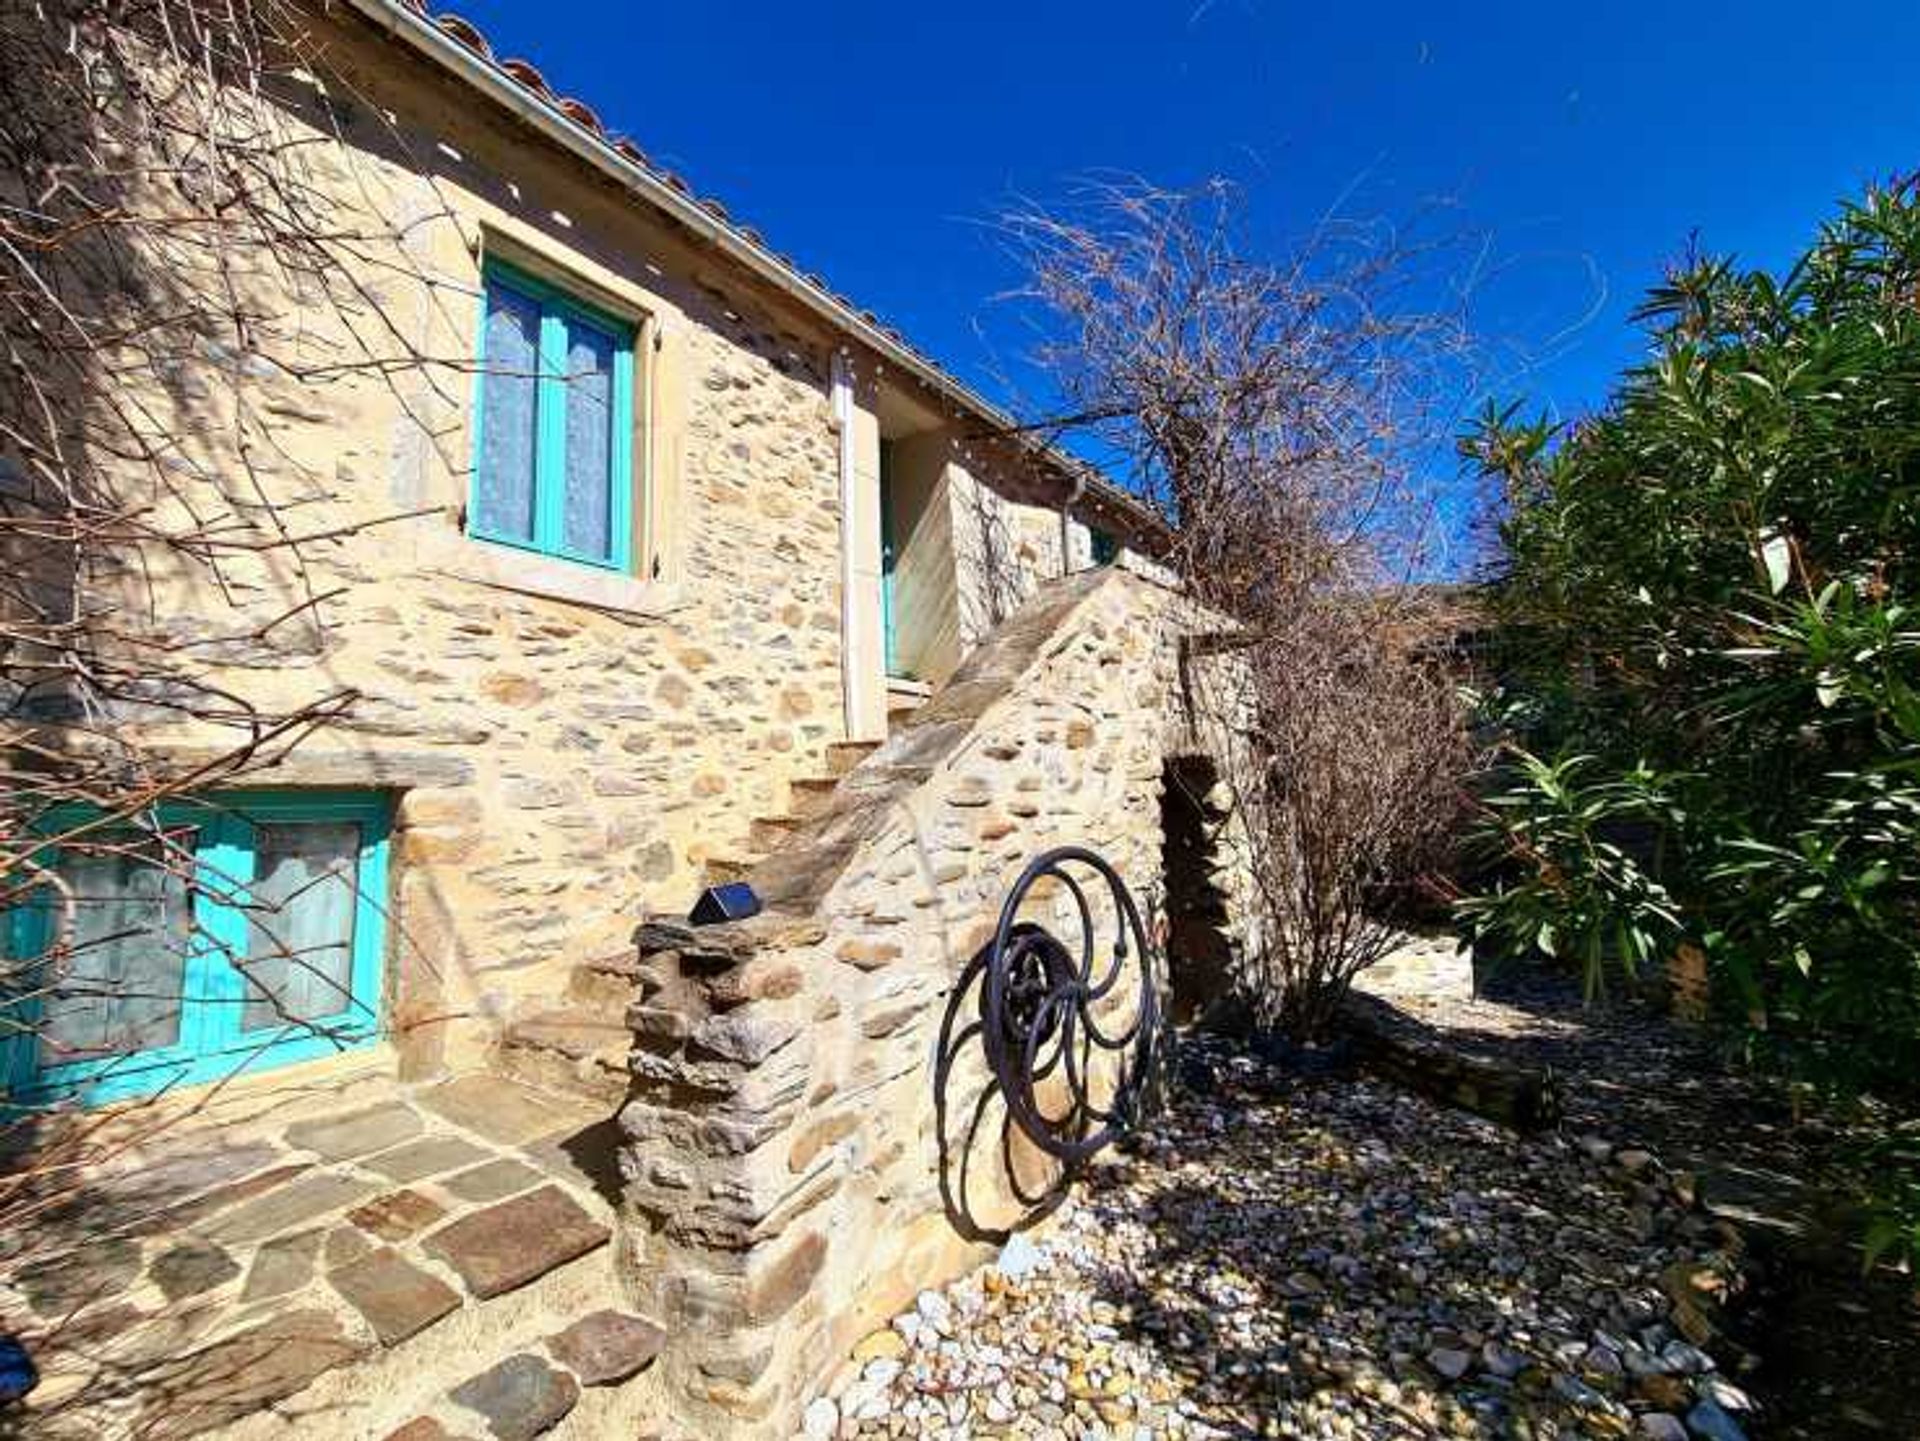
x,y
1882,1236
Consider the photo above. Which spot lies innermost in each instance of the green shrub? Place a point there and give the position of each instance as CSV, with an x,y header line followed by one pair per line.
x,y
1579,892
1710,603
1893,1198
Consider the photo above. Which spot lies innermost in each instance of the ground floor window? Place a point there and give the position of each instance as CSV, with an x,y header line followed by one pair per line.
x,y
223,935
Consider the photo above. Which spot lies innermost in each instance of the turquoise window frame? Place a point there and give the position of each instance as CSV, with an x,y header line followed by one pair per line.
x,y
211,1046
558,310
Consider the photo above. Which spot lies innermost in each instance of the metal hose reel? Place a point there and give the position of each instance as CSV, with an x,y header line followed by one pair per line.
x,y
1069,1054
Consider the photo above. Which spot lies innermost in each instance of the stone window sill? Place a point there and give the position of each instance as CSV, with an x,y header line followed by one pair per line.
x,y
503,568
232,1099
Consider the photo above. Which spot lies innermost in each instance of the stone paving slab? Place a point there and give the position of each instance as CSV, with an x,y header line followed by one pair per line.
x,y
424,1428
504,1111
494,1181
242,1374
282,1265
220,1198
60,1283
428,1156
291,1205
520,1398
396,1215
607,1346
397,1298
345,1244
248,1270
356,1134
177,1177
191,1267
513,1242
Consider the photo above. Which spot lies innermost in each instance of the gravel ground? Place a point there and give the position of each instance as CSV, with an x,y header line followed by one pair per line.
x,y
1320,1258
1839,1353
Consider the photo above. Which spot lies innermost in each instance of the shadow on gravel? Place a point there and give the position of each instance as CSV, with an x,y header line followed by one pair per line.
x,y
1840,1353
1247,1380
1341,1259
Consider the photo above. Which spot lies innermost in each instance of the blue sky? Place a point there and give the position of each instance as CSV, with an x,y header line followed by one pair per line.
x,y
1587,141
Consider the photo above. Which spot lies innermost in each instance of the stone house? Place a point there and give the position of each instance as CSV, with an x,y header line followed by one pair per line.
x,y
752,590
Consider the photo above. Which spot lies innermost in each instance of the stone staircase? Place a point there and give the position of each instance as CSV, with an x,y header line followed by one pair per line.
x,y
809,1113
579,1042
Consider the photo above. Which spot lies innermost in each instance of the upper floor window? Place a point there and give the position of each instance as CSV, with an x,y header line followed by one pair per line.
x,y
553,427
231,934
1106,550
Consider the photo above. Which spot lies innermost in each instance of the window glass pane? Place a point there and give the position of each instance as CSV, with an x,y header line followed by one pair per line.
x,y
587,527
300,923
121,988
503,496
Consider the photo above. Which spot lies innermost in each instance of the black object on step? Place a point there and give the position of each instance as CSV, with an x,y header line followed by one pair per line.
x,y
18,1375
732,902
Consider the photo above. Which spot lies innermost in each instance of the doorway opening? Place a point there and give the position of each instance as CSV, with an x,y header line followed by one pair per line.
x,y
919,615
889,561
1199,951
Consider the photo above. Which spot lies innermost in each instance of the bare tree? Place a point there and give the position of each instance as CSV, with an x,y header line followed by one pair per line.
x,y
1350,754
179,273
1276,410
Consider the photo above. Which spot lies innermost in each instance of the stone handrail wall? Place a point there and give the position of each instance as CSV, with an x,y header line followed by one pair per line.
x,y
783,1150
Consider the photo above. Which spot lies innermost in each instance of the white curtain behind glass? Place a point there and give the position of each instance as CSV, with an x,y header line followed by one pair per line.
x,y
503,499
121,990
300,923
588,511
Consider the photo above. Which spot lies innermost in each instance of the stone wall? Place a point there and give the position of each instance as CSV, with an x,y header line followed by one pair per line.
x,y
784,1150
569,748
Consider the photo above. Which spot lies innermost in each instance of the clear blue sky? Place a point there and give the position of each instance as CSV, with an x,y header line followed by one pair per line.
x,y
871,141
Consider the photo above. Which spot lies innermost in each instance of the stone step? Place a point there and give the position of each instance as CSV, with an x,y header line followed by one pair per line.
x,y
725,870
573,1048
843,756
903,699
523,1393
769,833
606,986
810,795
597,1081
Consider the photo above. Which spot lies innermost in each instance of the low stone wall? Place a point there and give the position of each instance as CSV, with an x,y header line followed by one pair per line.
x,y
785,1155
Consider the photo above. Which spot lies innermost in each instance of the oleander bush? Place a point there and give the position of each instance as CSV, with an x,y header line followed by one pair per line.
x,y
1709,597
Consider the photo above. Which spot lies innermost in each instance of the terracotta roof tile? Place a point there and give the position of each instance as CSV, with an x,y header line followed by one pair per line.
x,y
529,76
581,113
466,32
